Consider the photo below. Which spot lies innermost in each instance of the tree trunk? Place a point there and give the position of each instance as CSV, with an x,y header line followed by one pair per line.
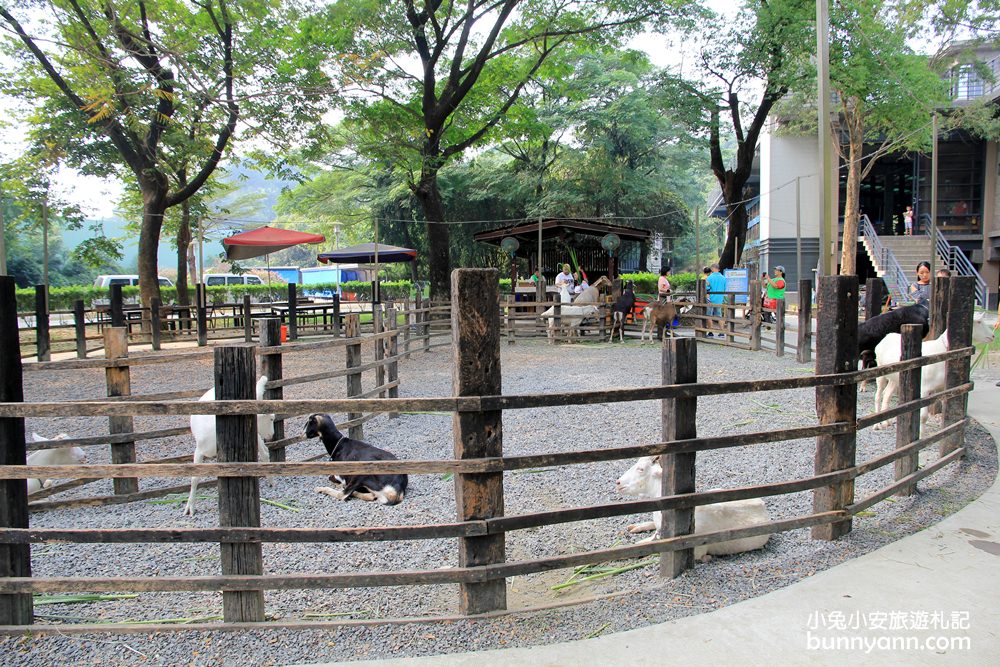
x,y
439,261
183,244
854,122
154,205
737,235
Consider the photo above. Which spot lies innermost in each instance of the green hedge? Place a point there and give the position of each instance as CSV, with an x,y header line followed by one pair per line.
x,y
645,283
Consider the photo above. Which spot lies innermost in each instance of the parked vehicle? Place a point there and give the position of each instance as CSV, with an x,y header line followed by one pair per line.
x,y
335,273
126,279
215,279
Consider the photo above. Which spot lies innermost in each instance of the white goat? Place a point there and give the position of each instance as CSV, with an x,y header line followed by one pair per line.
x,y
206,446
61,456
570,318
932,378
643,480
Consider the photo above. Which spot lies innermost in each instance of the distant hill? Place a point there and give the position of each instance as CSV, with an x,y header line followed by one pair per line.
x,y
247,180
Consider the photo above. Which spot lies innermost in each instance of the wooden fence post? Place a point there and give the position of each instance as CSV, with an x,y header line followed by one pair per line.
x,y
378,326
117,308
393,366
247,320
475,324
293,312
155,323
779,328
556,327
875,293
80,327
270,365
336,315
939,306
803,352
15,559
678,416
729,315
42,340
961,306
201,298
407,320
239,497
908,423
836,352
120,384
540,295
418,304
352,354
755,315
427,327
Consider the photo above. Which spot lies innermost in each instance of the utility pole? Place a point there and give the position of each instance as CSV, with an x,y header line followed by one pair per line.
x,y
934,193
697,242
3,242
826,236
45,237
798,232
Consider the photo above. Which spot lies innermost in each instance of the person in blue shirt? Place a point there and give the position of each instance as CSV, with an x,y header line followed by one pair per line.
x,y
716,289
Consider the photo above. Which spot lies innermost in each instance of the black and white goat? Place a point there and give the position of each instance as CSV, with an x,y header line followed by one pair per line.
x,y
872,332
620,311
387,489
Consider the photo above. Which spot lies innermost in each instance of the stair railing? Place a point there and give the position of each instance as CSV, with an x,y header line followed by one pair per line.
x,y
886,261
956,260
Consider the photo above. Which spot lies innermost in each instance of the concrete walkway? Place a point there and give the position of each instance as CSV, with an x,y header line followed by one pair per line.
x,y
941,584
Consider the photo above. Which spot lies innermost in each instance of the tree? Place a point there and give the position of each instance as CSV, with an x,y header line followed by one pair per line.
x,y
118,81
475,59
760,55
886,96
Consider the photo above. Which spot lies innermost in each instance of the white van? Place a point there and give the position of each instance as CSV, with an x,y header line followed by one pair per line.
x,y
126,279
215,279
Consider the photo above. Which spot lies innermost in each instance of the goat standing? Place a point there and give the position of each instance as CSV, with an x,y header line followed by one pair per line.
x,y
620,311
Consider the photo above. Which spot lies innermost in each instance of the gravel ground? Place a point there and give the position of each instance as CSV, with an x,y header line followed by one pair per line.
x,y
629,600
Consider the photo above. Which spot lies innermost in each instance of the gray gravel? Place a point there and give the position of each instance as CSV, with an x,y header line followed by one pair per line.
x,y
625,601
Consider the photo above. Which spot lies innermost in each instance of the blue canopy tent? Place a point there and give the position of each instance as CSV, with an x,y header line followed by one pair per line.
x,y
369,253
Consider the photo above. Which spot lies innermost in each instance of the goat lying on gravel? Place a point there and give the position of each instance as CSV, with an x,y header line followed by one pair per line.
x,y
643,480
932,378
872,332
206,445
387,489
62,456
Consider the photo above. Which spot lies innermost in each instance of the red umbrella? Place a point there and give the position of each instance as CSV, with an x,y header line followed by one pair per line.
x,y
266,240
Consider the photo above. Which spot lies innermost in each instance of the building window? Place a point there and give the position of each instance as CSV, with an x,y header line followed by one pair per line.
x,y
960,186
966,84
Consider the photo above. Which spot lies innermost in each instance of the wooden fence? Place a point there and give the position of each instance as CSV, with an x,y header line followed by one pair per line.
x,y
119,367
479,463
48,332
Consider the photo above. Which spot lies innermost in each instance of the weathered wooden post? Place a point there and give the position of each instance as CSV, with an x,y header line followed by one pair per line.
x,y
962,302
556,327
15,559
247,320
729,315
908,423
700,311
42,340
293,313
427,325
418,305
803,352
940,305
836,352
393,366
754,307
270,366
678,417
875,293
80,328
336,315
378,326
475,324
155,323
779,328
352,354
117,307
201,299
239,497
119,383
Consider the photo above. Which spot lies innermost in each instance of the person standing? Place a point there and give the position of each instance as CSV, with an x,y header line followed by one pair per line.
x,y
908,221
776,288
663,286
716,289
